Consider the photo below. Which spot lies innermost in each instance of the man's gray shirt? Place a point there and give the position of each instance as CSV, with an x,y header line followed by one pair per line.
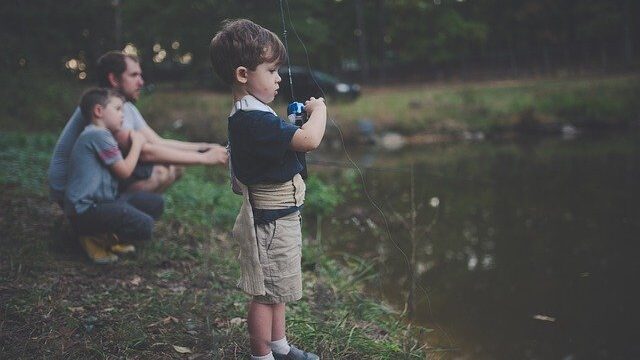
x,y
90,179
61,153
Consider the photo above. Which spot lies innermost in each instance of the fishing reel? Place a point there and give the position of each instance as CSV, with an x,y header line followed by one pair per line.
x,y
296,113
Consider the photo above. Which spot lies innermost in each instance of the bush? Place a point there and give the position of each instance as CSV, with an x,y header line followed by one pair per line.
x,y
31,100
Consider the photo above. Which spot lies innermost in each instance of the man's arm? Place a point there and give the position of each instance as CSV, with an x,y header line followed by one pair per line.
x,y
309,136
154,138
159,153
124,168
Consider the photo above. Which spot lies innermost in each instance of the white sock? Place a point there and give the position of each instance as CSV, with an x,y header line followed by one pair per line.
x,y
280,346
269,356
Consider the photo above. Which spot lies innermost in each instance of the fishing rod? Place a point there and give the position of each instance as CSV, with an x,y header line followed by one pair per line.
x,y
295,110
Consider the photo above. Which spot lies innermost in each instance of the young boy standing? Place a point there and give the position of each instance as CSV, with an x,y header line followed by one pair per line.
x,y
263,156
91,201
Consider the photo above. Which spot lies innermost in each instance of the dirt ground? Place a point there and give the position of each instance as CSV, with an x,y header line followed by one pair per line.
x,y
56,304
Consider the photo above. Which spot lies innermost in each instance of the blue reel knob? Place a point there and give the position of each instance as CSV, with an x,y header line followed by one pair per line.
x,y
296,113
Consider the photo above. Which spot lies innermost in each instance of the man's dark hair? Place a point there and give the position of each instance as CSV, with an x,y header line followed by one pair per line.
x,y
93,97
242,42
113,62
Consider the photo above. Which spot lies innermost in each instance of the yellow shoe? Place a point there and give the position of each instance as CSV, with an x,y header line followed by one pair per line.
x,y
123,249
96,252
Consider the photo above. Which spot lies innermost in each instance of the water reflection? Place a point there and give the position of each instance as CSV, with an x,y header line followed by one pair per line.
x,y
532,256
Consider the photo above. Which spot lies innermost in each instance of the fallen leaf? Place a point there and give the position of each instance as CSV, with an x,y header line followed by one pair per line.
x,y
237,321
165,321
136,280
108,309
169,319
220,323
76,309
544,318
182,350
178,289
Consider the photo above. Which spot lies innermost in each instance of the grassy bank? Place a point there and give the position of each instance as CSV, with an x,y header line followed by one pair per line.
x,y
177,297
526,106
37,102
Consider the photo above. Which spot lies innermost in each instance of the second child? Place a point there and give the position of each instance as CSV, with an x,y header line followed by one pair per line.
x,y
106,221
264,159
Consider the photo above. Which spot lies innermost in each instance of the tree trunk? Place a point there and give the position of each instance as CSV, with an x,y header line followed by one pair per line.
x,y
117,5
362,41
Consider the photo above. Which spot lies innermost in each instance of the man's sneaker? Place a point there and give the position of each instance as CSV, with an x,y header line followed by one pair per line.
x,y
123,249
99,254
296,354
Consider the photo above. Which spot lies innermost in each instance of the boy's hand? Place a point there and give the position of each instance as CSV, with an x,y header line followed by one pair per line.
x,y
137,138
216,154
123,138
314,104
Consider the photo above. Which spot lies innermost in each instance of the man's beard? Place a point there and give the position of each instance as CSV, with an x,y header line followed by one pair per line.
x,y
126,96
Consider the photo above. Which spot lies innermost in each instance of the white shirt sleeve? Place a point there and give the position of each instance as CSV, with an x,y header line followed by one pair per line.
x,y
132,118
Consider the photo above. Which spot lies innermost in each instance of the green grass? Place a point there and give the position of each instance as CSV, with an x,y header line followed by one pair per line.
x,y
432,108
494,105
180,288
490,106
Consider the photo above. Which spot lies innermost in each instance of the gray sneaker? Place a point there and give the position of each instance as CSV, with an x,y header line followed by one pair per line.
x,y
296,354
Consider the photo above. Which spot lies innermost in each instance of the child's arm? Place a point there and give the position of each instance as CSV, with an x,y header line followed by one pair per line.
x,y
309,136
123,168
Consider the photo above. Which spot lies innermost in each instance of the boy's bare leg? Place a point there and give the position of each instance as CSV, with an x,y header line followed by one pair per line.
x,y
259,322
278,322
161,178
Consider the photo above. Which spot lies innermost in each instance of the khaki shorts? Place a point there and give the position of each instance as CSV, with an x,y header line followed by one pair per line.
x,y
280,252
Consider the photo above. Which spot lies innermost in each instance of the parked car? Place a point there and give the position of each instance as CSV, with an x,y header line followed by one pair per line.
x,y
305,87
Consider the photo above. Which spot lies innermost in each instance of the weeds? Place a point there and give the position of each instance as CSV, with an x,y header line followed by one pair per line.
x,y
177,296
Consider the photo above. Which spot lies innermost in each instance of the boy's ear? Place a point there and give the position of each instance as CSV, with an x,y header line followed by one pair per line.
x,y
240,74
113,80
97,111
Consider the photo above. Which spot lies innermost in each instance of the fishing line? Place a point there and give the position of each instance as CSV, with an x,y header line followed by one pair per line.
x,y
345,165
364,185
286,47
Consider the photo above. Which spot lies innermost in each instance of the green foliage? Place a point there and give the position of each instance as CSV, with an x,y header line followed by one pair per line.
x,y
42,35
24,160
601,103
36,100
196,201
179,289
321,198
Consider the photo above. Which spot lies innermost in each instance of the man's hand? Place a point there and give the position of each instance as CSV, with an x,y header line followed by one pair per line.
x,y
216,154
204,147
314,104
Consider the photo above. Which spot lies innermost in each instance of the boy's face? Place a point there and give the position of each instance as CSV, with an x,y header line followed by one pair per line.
x,y
112,114
263,82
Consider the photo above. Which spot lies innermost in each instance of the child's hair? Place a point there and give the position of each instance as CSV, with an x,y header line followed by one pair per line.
x,y
242,42
93,97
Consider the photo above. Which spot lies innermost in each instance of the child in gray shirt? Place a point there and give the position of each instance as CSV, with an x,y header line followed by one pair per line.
x,y
92,201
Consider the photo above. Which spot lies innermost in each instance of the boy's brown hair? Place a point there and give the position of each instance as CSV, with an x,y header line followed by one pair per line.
x,y
93,97
242,42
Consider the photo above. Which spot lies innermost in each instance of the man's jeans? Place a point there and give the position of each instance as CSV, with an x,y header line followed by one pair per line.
x,y
130,217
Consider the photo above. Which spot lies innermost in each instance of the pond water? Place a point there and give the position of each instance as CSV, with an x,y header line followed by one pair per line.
x,y
521,250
